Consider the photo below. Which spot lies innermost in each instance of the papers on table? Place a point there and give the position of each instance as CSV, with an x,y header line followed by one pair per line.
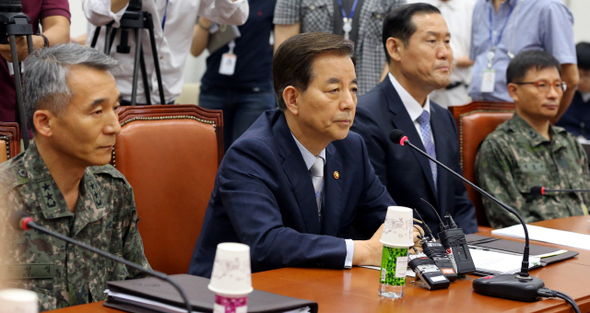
x,y
555,236
498,262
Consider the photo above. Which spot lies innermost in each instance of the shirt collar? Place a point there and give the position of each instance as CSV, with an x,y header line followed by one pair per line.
x,y
509,2
534,136
308,157
412,106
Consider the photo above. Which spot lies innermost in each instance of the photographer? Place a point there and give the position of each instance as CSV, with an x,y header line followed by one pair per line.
x,y
173,28
54,17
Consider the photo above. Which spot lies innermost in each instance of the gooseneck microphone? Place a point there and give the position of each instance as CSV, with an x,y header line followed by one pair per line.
x,y
538,190
520,286
21,221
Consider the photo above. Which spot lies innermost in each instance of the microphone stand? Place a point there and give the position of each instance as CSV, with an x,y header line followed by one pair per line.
x,y
25,222
520,286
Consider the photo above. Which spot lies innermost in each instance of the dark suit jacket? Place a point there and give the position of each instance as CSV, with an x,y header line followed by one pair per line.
x,y
404,171
263,197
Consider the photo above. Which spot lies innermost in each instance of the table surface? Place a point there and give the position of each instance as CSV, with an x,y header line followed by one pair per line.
x,y
355,290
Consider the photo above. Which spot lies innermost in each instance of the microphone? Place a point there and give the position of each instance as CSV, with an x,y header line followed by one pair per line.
x,y
21,221
520,286
538,190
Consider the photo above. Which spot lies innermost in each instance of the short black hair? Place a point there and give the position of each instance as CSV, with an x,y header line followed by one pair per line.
x,y
398,23
526,60
583,55
292,63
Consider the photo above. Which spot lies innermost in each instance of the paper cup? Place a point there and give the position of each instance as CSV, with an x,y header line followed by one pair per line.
x,y
18,301
231,275
397,231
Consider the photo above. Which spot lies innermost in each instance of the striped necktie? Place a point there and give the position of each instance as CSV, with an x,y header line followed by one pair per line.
x,y
428,140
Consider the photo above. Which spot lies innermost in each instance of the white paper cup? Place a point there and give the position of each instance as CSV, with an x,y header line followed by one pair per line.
x,y
18,301
397,231
231,275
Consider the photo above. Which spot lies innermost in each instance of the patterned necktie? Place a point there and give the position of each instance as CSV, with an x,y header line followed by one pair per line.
x,y
424,121
317,178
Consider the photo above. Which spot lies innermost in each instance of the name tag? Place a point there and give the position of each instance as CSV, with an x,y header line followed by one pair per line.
x,y
488,80
533,167
30,271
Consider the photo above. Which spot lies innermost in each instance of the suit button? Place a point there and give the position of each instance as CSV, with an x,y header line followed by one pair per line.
x,y
22,173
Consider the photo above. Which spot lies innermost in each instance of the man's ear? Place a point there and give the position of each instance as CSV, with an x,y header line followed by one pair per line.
x,y
291,96
43,119
394,45
512,88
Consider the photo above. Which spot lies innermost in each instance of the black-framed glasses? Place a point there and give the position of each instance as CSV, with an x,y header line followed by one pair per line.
x,y
544,86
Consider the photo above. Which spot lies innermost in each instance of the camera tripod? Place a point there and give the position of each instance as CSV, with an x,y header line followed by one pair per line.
x,y
136,21
14,24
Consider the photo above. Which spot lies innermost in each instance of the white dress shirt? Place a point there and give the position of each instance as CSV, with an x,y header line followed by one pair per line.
x,y
412,106
173,42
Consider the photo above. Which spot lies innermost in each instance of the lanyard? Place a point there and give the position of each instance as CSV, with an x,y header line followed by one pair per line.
x,y
165,13
492,45
347,21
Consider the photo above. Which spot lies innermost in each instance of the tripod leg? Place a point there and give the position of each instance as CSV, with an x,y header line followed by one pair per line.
x,y
30,43
19,93
95,37
156,59
110,37
136,65
146,86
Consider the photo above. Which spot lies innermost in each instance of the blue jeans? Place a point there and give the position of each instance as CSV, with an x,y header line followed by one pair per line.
x,y
241,107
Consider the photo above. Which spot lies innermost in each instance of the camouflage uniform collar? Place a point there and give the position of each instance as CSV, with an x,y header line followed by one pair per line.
x,y
90,206
518,124
48,196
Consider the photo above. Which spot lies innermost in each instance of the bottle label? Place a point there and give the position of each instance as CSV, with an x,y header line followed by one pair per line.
x,y
394,263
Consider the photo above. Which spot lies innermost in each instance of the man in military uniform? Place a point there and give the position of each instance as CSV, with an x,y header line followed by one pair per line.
x,y
61,181
528,151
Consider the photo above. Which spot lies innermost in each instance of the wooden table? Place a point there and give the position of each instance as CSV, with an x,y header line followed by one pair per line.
x,y
355,290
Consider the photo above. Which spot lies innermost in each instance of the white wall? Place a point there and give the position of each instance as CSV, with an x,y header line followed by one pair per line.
x,y
195,66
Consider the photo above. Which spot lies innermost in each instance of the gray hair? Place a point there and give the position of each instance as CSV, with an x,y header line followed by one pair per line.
x,y
45,76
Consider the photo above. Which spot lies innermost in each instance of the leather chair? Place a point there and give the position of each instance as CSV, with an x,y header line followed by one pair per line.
x,y
475,121
170,155
9,140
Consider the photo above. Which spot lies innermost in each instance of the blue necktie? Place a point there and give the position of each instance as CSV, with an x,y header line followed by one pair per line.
x,y
428,140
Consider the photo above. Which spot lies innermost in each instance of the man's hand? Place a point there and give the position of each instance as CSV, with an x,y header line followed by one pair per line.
x,y
368,252
21,48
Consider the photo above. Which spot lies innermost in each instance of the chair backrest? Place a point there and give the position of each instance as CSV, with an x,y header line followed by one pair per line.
x,y
170,155
9,140
475,121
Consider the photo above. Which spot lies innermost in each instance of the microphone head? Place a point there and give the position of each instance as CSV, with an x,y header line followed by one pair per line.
x,y
397,136
537,190
20,220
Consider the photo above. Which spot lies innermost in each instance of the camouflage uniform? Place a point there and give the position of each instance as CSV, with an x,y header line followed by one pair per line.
x,y
515,157
63,274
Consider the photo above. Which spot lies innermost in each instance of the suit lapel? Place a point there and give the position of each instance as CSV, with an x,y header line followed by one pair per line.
x,y
401,120
298,175
332,193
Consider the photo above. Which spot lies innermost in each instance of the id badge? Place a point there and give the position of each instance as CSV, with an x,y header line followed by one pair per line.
x,y
228,64
488,80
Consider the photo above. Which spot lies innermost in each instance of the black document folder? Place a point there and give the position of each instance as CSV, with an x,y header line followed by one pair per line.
x,y
518,247
200,297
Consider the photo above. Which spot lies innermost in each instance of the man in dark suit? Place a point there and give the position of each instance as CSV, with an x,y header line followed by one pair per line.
x,y
265,194
416,40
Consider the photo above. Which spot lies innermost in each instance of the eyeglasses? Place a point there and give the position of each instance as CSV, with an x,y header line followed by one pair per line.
x,y
544,86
